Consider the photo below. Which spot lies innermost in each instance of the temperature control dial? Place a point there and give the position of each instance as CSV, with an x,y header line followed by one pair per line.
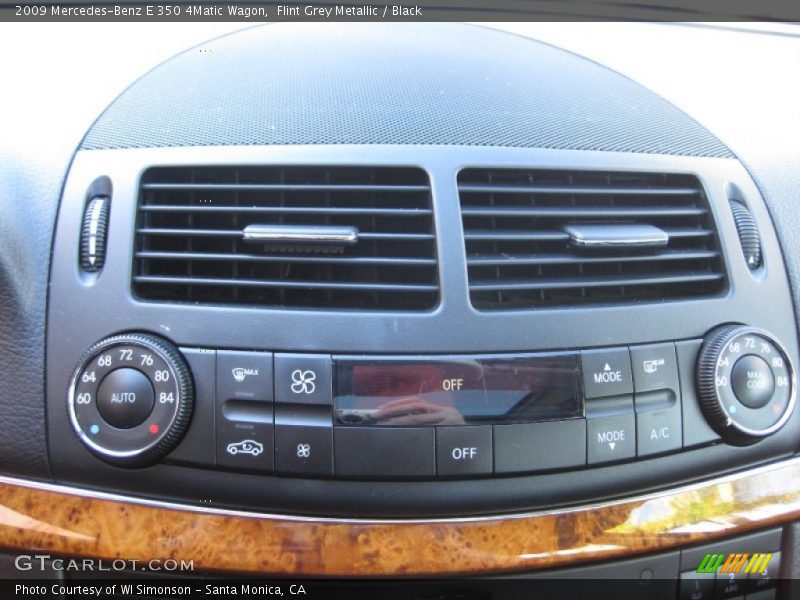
x,y
746,383
131,399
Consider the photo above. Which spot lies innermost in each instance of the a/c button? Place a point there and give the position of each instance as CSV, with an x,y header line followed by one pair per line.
x,y
463,451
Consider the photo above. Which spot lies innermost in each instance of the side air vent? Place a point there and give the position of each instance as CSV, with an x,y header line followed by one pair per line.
x,y
325,237
564,238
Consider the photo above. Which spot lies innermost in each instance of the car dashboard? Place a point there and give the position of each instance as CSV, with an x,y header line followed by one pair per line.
x,y
412,300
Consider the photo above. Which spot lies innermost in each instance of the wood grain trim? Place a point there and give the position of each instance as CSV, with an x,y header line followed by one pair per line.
x,y
65,521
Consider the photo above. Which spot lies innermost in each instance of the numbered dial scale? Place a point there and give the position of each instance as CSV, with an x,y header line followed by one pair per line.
x,y
131,399
746,383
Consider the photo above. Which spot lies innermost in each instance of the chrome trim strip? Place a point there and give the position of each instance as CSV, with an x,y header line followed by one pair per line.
x,y
94,222
623,235
112,497
301,234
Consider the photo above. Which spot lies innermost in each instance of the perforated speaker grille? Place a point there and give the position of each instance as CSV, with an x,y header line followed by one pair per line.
x,y
429,84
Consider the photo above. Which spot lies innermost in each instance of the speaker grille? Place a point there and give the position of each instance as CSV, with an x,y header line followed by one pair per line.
x,y
519,254
190,245
393,83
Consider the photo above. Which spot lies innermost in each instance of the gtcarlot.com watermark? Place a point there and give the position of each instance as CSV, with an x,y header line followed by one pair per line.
x,y
45,562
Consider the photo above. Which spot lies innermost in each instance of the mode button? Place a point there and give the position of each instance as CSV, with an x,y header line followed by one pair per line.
x,y
606,372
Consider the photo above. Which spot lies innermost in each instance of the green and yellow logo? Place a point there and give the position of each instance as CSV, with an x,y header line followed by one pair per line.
x,y
735,563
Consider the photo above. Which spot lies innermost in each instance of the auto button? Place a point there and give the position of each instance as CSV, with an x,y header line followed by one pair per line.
x,y
125,398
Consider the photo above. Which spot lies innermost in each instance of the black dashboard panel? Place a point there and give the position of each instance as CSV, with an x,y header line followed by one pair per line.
x,y
452,327
606,124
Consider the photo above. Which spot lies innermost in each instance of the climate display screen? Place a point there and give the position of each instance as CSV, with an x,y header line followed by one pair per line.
x,y
398,392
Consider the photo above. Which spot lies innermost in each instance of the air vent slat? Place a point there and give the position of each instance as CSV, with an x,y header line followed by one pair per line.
x,y
291,258
201,237
557,259
604,190
530,236
364,235
358,210
518,227
287,187
580,212
567,283
301,285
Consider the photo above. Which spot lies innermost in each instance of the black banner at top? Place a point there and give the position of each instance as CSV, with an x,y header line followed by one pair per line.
x,y
421,10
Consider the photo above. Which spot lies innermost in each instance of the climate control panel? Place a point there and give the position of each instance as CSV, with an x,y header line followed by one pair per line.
x,y
426,417
131,399
746,384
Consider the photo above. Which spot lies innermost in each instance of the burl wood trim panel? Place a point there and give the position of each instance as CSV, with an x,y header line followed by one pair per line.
x,y
64,521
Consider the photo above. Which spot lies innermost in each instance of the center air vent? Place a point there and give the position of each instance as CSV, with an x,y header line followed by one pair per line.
x,y
563,238
325,237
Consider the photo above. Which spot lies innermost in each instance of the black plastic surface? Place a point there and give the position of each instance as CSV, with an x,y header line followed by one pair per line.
x,y
395,453
539,446
696,430
196,447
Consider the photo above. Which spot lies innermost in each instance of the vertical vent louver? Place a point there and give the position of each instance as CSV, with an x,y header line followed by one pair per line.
x,y
208,235
564,238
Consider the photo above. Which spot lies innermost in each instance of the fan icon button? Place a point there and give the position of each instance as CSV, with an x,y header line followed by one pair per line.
x,y
303,381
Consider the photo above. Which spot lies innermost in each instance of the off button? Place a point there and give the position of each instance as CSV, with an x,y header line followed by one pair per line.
x,y
463,451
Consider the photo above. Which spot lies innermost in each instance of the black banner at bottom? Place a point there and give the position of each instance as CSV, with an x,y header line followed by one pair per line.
x,y
521,587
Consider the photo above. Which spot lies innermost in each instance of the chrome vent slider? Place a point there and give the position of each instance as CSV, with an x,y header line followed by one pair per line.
x,y
93,234
617,235
748,234
308,235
